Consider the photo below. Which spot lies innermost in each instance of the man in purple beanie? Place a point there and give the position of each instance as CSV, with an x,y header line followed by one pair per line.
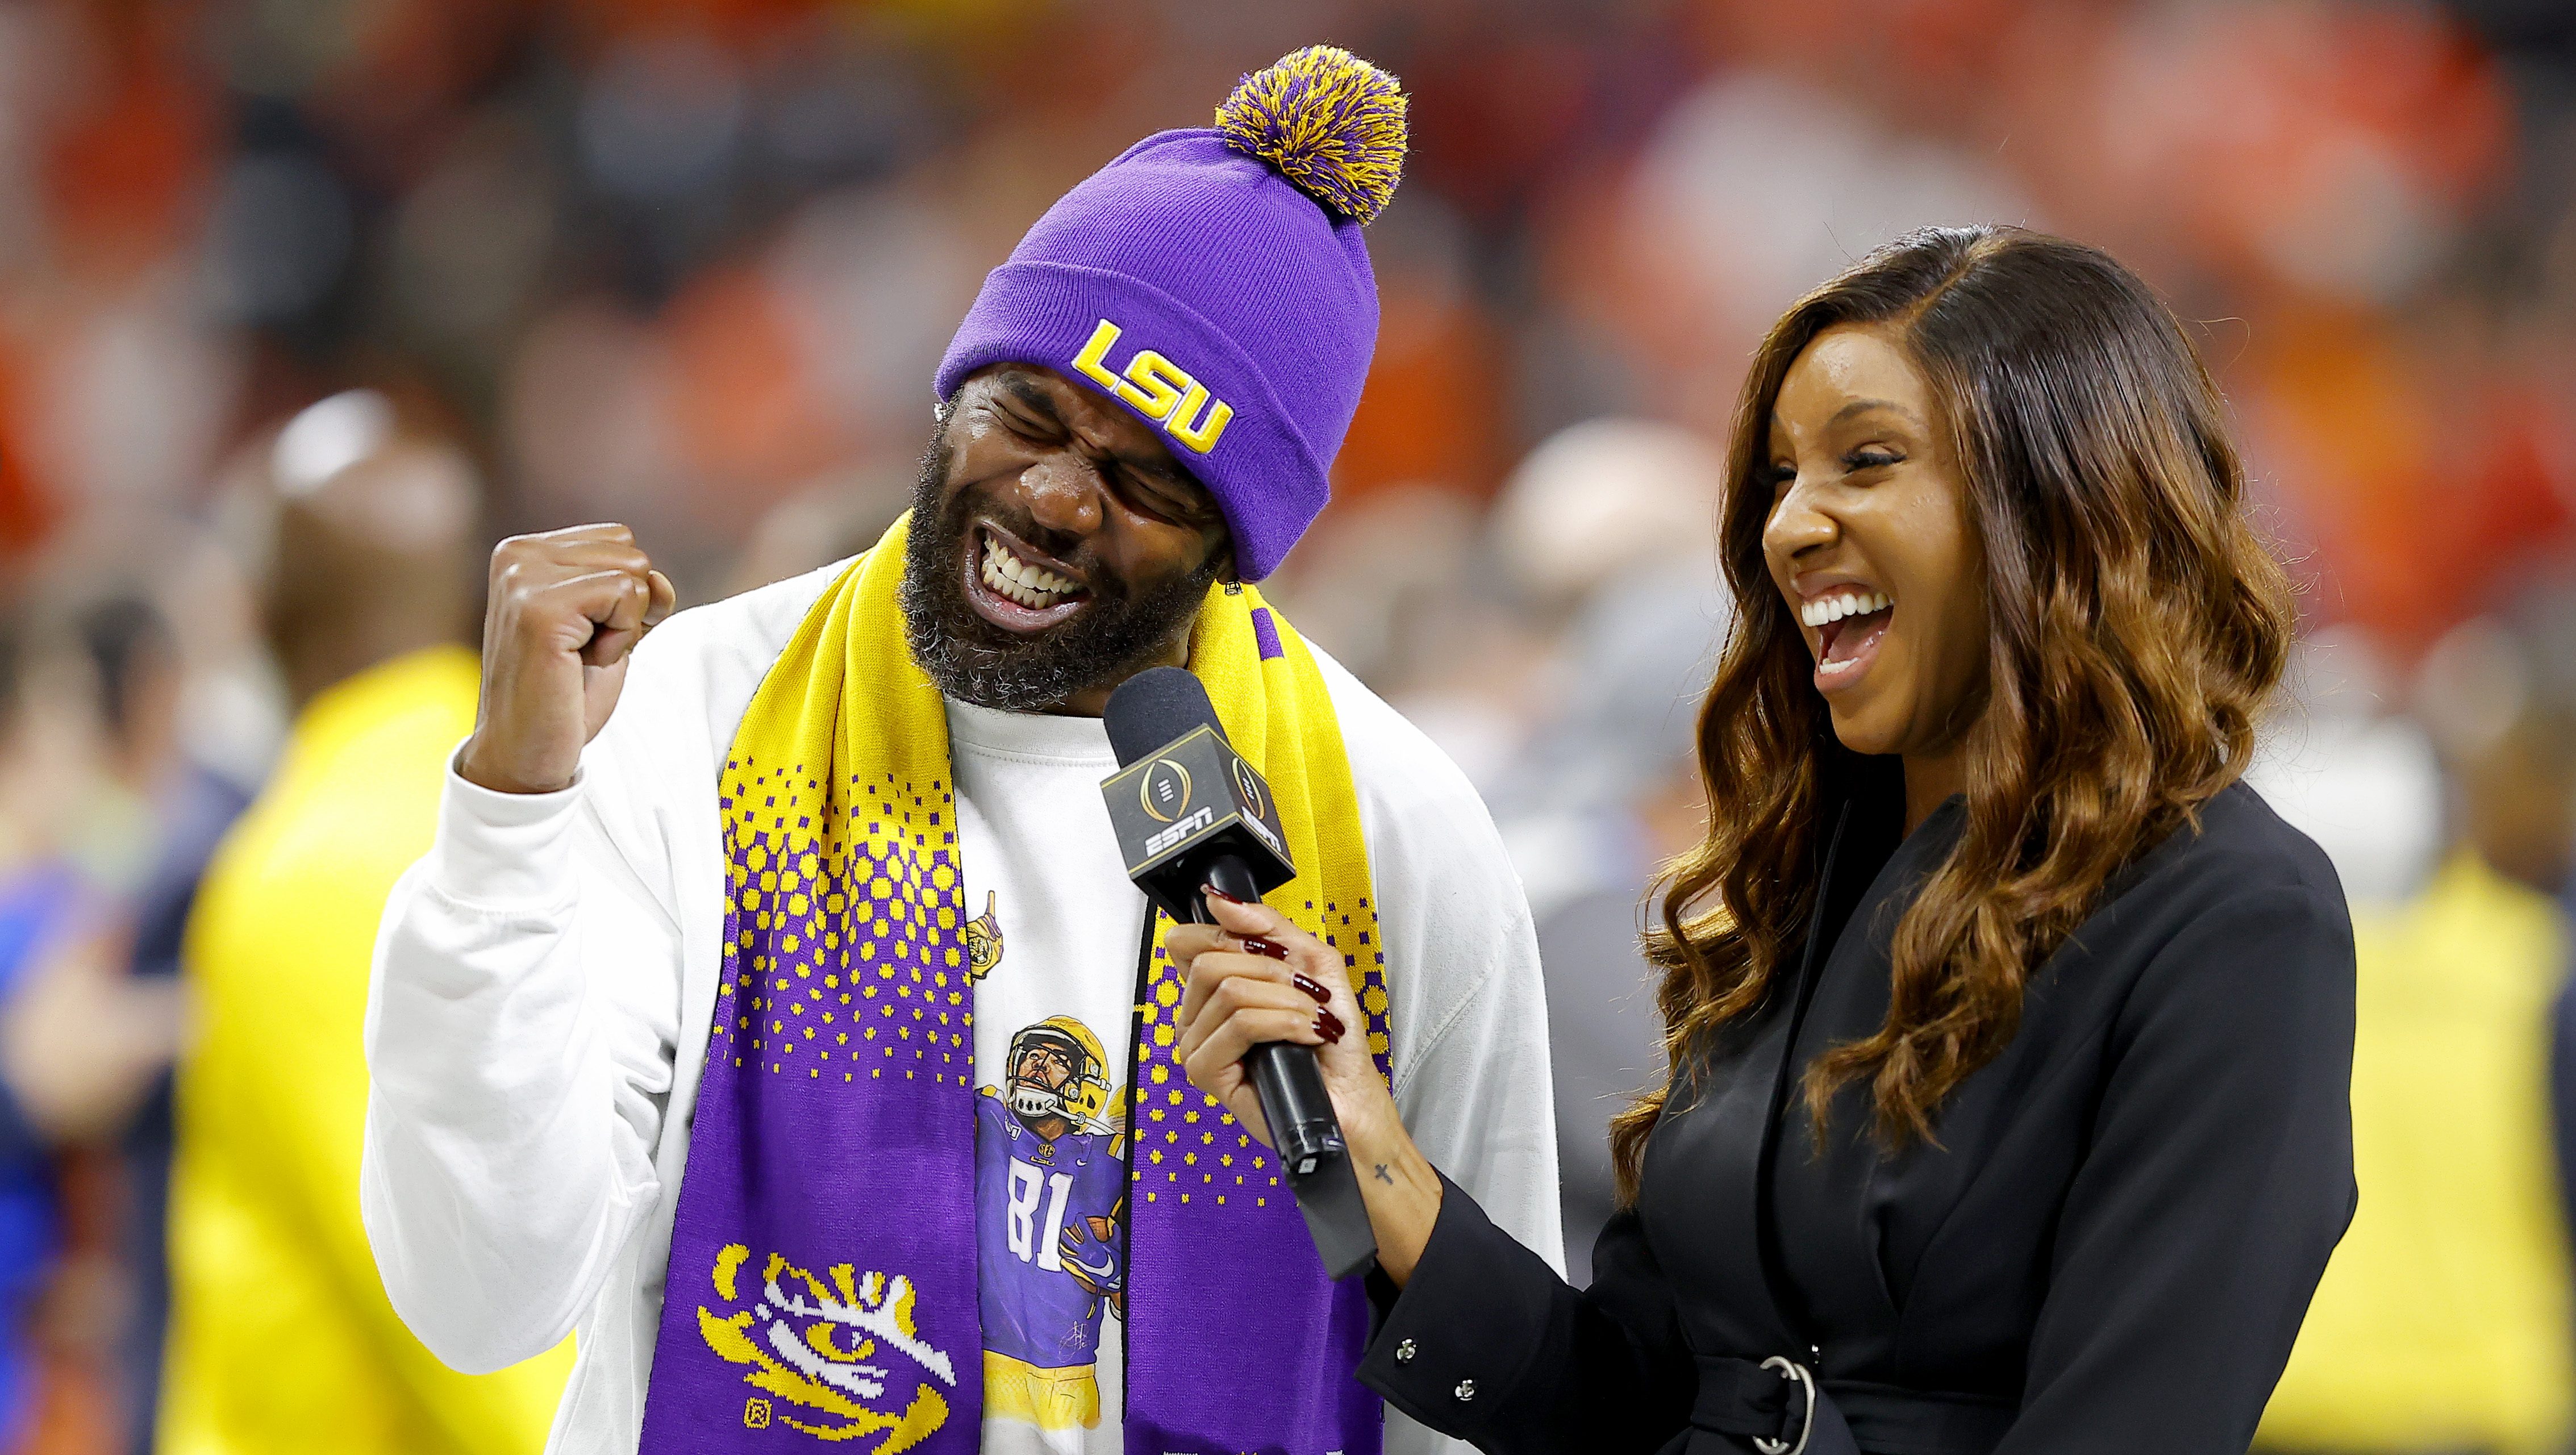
x,y
774,1011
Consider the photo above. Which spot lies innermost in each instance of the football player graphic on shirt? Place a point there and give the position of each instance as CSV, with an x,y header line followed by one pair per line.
x,y
1051,1185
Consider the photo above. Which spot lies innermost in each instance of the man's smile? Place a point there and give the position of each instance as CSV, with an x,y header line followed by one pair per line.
x,y
1017,587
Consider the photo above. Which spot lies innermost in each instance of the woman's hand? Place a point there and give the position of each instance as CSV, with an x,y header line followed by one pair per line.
x,y
1253,976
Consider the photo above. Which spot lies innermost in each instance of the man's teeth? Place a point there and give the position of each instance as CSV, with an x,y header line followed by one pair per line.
x,y
1030,586
1834,608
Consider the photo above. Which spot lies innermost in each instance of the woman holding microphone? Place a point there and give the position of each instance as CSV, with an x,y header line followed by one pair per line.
x,y
2010,1034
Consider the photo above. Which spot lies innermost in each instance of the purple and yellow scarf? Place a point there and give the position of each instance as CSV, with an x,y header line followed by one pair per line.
x,y
821,1288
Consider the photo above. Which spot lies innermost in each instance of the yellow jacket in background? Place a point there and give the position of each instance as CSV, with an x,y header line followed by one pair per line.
x,y
281,1340
2442,1322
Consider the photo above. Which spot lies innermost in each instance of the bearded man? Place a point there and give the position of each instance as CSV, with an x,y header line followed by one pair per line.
x,y
677,1031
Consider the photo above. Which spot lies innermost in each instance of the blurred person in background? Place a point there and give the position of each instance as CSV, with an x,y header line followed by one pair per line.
x,y
832,520
281,1339
1605,1035
82,1041
1605,532
189,805
151,818
1603,536
2441,1326
1404,585
711,906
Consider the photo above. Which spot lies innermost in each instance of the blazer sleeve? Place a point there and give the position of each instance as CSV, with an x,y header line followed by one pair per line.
x,y
1489,1343
2219,1179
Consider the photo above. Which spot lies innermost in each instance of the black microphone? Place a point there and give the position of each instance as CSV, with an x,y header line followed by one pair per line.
x,y
1190,812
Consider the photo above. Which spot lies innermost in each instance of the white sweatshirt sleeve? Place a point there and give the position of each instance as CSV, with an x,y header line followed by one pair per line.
x,y
517,1085
1477,1097
522,1029
1467,1002
538,1010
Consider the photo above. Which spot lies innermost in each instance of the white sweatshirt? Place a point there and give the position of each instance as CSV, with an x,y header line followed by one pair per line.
x,y
545,976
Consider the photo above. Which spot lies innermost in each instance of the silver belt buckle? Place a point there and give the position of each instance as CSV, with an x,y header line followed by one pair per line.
x,y
1796,1373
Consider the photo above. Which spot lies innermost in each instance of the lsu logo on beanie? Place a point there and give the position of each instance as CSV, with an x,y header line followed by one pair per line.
x,y
1159,389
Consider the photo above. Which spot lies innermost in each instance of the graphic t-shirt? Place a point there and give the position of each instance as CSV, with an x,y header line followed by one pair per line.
x,y
1054,945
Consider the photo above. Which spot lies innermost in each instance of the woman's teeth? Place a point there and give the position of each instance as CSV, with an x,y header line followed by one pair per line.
x,y
1834,608
1031,586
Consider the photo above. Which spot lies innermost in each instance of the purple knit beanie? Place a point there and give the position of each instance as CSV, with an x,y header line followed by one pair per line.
x,y
1214,282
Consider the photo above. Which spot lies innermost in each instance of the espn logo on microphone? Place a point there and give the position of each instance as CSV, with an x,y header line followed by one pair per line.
x,y
1203,819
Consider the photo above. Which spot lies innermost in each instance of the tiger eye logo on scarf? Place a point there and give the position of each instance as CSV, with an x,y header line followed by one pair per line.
x,y
810,1345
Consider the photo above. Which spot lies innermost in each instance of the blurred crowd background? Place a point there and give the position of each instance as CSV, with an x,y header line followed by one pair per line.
x,y
303,303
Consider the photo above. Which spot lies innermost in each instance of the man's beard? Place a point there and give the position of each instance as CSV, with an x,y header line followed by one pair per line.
x,y
1112,638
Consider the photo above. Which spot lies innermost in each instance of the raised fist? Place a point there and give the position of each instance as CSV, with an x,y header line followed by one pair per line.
x,y
565,609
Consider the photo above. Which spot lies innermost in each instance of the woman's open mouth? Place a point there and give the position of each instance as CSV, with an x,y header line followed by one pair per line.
x,y
1849,628
1015,588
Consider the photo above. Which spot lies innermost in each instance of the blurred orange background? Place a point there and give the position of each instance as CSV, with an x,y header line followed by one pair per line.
x,y
688,264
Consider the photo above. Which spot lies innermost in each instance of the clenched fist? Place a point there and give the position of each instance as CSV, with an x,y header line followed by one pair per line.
x,y
566,607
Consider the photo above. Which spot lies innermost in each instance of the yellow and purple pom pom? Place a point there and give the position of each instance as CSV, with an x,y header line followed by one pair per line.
x,y
1328,121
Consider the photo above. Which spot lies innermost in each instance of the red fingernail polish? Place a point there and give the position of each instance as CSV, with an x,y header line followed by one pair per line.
x,y
1322,996
1212,892
1329,1026
1267,949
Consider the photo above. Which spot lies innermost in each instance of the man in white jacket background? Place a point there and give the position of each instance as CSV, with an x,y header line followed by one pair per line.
x,y
1138,416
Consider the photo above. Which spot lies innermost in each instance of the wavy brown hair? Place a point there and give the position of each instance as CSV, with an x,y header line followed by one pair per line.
x,y
2135,627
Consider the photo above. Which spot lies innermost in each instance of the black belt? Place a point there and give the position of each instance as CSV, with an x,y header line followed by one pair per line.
x,y
1784,1409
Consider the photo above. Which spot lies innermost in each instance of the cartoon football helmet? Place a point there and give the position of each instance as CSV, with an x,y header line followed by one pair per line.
x,y
1083,1099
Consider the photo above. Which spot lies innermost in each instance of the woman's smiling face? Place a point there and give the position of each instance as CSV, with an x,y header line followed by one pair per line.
x,y
1870,541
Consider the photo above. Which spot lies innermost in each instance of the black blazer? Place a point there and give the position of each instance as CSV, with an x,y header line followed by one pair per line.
x,y
2110,1249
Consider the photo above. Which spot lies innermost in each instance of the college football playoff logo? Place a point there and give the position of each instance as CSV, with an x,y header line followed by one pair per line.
x,y
1164,790
1249,785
